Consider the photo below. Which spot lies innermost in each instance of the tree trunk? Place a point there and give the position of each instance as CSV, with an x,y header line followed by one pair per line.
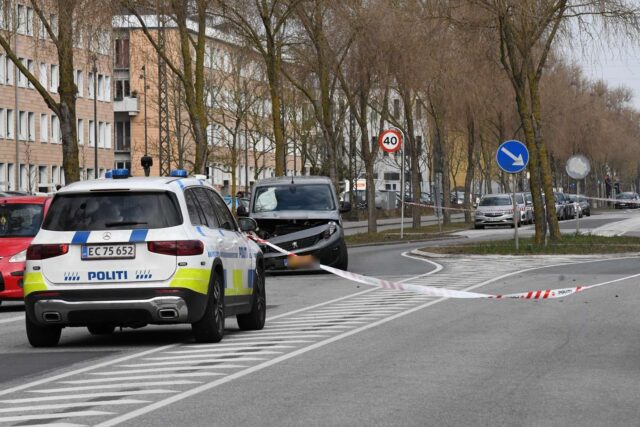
x,y
468,180
408,103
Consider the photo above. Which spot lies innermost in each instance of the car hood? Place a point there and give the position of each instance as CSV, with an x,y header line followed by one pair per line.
x,y
10,246
298,215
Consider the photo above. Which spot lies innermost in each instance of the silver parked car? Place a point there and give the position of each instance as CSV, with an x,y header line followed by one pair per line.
x,y
497,209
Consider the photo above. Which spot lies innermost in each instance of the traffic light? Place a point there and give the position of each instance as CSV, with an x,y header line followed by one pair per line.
x,y
616,187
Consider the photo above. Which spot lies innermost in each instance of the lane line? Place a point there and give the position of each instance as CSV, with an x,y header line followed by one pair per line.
x,y
87,396
116,386
12,390
168,369
238,349
72,405
50,416
141,377
224,357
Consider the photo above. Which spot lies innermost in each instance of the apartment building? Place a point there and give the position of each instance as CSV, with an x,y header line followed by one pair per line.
x,y
30,138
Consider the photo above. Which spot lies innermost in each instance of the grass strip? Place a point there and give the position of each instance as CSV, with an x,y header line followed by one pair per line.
x,y
582,244
427,232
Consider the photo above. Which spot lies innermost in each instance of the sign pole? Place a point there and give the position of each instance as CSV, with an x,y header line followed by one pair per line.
x,y
515,212
402,194
578,202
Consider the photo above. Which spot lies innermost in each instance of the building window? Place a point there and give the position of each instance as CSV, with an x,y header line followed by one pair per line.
x,y
122,89
3,123
22,125
43,75
123,136
108,136
100,87
31,118
107,89
80,132
10,73
44,128
3,68
122,53
79,81
10,124
91,85
54,78
101,134
55,129
22,79
92,134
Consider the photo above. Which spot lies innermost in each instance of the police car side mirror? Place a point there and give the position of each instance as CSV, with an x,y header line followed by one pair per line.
x,y
242,211
247,224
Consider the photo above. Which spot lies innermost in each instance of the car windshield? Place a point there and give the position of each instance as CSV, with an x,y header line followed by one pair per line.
x,y
627,196
20,220
294,197
113,211
495,201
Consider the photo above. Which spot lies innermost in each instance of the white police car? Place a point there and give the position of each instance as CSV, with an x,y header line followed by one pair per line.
x,y
135,251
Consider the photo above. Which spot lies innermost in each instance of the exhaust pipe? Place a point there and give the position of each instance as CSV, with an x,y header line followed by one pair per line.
x,y
51,316
168,313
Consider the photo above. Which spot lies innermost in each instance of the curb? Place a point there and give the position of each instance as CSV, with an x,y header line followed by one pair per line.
x,y
397,242
426,254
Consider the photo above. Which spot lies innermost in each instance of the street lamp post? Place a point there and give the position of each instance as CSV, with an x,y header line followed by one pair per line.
x,y
146,163
95,115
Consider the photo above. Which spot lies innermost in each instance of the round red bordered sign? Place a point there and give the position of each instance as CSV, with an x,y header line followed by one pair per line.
x,y
390,140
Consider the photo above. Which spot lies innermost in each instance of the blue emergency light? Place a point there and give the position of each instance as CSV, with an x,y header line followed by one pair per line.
x,y
108,174
179,173
120,173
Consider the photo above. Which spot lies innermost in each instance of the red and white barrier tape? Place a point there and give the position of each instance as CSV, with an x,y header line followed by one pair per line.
x,y
439,292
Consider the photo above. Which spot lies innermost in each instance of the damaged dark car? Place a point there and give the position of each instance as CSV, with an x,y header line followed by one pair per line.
x,y
301,215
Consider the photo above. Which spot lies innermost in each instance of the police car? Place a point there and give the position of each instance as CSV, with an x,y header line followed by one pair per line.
x,y
127,252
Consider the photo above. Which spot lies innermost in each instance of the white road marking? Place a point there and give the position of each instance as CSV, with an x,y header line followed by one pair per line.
x,y
87,396
265,343
55,406
169,369
207,386
222,357
116,386
179,362
53,425
320,322
320,304
12,390
257,337
238,349
142,377
53,416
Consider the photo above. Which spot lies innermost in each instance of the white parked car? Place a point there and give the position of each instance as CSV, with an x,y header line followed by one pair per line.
x,y
126,252
497,209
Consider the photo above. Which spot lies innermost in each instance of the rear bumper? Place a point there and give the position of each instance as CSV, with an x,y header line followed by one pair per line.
x,y
121,307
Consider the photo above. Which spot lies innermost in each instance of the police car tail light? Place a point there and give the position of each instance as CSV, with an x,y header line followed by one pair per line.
x,y
39,252
176,248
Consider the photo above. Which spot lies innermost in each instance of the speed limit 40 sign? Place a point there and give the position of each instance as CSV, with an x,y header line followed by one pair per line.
x,y
390,140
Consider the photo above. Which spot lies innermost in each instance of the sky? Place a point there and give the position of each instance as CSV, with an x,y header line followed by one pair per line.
x,y
618,66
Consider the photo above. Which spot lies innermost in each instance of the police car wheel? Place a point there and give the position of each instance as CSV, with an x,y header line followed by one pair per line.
x,y
101,329
254,320
211,327
42,336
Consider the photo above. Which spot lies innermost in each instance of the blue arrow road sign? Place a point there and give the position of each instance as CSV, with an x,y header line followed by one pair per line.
x,y
512,156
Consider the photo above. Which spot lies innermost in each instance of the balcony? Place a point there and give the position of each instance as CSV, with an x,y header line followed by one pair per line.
x,y
126,104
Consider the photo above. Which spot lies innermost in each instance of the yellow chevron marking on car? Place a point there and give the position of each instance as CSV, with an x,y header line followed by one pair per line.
x,y
196,279
33,282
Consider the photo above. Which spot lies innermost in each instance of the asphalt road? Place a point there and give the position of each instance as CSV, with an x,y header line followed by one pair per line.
x,y
338,353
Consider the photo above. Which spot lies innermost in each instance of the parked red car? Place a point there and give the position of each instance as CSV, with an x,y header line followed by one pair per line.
x,y
20,220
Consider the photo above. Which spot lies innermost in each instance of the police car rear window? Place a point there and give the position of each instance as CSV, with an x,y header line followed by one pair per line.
x,y
113,211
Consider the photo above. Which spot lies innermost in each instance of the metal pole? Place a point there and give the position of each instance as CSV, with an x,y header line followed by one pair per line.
x,y
402,192
578,207
16,116
516,211
144,77
246,156
95,116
